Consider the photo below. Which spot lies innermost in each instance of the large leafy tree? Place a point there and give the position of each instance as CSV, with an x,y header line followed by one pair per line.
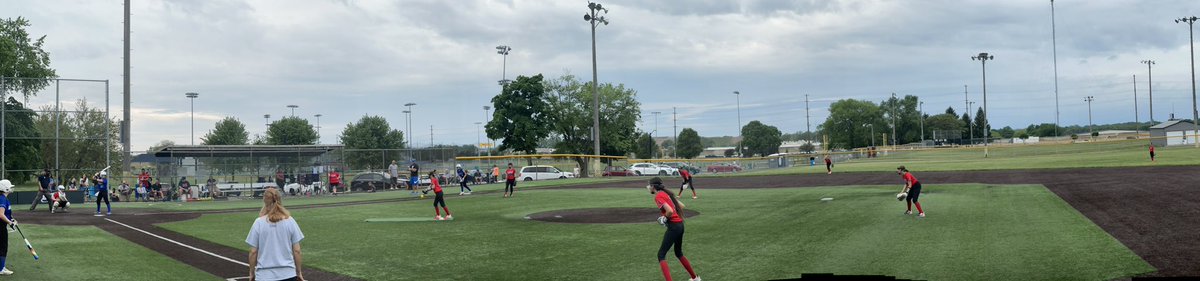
x,y
761,139
944,127
85,137
21,147
689,145
979,127
520,115
291,131
646,147
22,56
570,102
228,131
847,122
907,121
370,141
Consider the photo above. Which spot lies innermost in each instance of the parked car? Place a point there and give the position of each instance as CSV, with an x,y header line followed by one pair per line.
x,y
616,171
723,168
532,173
682,166
362,180
645,169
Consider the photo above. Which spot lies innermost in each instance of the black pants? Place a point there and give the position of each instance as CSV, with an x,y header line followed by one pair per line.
x,y
463,184
510,186
914,192
38,199
686,184
674,236
438,200
4,241
102,195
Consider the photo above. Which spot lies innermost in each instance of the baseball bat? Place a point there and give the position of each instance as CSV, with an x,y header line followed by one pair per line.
x,y
27,245
101,171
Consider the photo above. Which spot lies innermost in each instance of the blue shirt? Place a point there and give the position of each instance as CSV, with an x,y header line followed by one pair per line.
x,y
461,173
7,207
102,185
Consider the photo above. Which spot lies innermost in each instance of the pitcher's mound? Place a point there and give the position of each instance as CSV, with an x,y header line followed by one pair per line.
x,y
604,215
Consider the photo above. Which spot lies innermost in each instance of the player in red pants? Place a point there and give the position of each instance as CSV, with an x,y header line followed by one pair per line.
x,y
438,199
913,188
670,207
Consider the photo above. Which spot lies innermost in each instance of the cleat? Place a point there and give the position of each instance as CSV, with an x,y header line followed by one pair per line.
x,y
449,217
907,212
921,215
440,218
5,271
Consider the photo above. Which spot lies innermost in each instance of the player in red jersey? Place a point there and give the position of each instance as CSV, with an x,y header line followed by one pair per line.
x,y
510,181
1151,153
687,182
670,207
828,165
913,188
437,197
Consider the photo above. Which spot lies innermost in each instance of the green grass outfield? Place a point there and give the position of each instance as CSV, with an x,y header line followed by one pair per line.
x,y
1050,156
973,232
88,253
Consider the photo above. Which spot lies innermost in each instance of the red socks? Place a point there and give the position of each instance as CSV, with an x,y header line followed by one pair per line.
x,y
919,207
688,266
435,210
666,270
448,210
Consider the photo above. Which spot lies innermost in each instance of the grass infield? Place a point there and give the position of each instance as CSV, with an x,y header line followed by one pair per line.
x,y
973,232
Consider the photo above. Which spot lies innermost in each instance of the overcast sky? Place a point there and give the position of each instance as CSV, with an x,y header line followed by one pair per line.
x,y
346,59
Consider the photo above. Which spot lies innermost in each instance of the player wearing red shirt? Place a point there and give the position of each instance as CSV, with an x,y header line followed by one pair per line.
x,y
913,188
437,197
828,165
1151,153
670,207
335,180
510,181
687,182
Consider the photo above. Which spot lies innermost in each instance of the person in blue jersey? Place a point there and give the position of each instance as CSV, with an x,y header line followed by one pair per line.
x,y
102,192
463,178
6,188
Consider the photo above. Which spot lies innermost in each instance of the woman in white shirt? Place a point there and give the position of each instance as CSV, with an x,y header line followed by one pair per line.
x,y
274,241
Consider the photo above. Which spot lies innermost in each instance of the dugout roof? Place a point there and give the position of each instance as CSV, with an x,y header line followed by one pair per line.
x,y
244,150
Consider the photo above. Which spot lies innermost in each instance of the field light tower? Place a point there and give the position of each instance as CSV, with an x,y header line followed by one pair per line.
x,y
894,106
738,96
1150,76
408,120
872,133
267,117
1091,126
318,127
595,19
1192,48
983,58
293,107
192,99
503,51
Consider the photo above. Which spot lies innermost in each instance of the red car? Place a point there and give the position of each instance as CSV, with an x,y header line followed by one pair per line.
x,y
617,171
723,168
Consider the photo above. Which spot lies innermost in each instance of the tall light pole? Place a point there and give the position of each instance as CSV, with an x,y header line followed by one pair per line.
x,y
983,58
1054,42
738,96
318,128
1192,48
872,133
970,125
895,104
478,140
1137,127
293,107
503,50
1150,85
487,119
408,119
1091,126
267,117
807,120
675,135
192,99
595,20
921,116
655,136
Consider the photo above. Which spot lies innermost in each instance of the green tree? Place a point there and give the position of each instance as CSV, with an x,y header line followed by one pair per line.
x,y
368,142
646,147
1023,135
1007,132
730,152
85,137
846,125
291,131
228,131
570,117
761,139
22,56
908,122
520,115
945,127
979,128
807,147
689,144
21,147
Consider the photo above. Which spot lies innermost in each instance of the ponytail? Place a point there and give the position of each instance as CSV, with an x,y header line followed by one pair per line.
x,y
273,206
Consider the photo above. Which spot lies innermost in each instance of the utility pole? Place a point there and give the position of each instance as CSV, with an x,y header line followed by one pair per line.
x,y
1137,125
983,58
738,96
895,104
807,120
1150,83
1054,41
921,115
430,135
675,136
1192,48
967,111
970,125
487,117
478,140
592,18
1091,126
653,138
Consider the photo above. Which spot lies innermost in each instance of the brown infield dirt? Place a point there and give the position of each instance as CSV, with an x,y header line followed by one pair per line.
x,y
604,215
1155,211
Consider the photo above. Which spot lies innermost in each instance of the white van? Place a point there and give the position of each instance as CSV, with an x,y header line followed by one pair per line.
x,y
532,173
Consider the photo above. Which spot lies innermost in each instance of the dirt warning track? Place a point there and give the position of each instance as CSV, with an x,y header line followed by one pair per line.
x,y
1155,211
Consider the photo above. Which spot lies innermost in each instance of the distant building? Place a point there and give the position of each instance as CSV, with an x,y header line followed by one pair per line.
x,y
1173,132
717,151
794,147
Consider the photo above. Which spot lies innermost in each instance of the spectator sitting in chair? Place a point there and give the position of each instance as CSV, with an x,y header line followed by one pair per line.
x,y
213,191
156,191
124,192
185,189
140,193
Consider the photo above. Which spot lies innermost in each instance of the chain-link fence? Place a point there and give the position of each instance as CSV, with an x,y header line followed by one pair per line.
x,y
61,125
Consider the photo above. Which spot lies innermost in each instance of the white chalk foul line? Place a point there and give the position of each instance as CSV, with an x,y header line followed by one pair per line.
x,y
180,244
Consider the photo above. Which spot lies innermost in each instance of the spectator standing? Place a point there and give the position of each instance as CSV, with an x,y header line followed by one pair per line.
x,y
394,172
335,180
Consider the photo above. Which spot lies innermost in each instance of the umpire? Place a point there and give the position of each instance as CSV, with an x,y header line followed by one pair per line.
x,y
44,190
